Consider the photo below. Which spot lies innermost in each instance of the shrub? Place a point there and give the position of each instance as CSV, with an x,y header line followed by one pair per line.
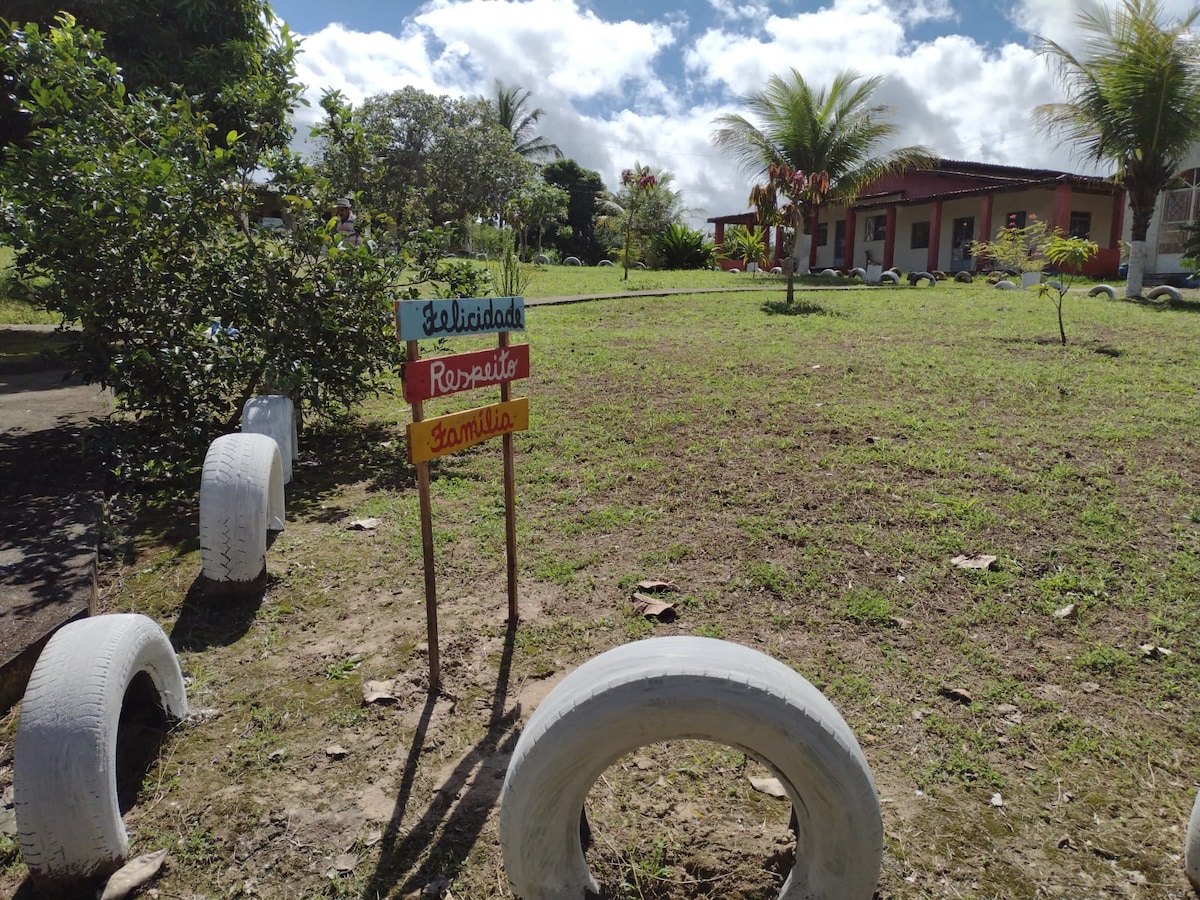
x,y
681,247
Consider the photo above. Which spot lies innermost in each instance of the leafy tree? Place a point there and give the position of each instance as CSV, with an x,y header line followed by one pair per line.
x,y
422,158
585,188
836,132
534,209
1068,255
1133,100
234,56
130,224
511,105
643,206
679,247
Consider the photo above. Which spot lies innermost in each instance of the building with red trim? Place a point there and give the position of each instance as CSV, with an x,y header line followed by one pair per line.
x,y
926,219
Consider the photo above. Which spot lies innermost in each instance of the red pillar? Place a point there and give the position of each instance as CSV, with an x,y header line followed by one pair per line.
x,y
1061,217
1118,220
889,237
851,225
935,237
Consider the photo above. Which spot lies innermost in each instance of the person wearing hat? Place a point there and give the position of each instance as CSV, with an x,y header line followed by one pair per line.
x,y
345,223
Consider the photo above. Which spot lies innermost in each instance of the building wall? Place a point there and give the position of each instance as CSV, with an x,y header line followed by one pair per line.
x,y
1163,262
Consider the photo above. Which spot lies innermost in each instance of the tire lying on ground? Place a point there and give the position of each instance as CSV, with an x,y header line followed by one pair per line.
x,y
1107,290
65,767
1191,847
1165,290
699,688
241,498
275,416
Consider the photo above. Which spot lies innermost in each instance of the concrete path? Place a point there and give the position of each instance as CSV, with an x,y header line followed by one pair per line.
x,y
50,497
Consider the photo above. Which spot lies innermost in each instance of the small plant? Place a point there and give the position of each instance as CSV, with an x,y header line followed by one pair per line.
x,y
744,244
644,870
340,671
1068,255
1017,249
868,608
509,275
710,630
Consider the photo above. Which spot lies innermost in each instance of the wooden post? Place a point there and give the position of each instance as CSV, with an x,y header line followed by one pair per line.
x,y
510,503
431,623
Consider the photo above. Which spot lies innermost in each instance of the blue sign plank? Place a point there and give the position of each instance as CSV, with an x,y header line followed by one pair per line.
x,y
419,320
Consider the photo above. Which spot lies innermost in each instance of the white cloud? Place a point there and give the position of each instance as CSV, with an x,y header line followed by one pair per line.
x,y
550,45
619,91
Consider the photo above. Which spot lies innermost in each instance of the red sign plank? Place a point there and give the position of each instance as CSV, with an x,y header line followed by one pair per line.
x,y
430,438
439,376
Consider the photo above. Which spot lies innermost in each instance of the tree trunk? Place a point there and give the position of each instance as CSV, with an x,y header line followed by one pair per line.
x,y
801,251
1137,269
1141,207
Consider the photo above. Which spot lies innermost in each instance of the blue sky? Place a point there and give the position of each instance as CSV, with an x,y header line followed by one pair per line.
x,y
625,81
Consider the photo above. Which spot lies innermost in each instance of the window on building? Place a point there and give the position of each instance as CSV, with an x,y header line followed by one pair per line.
x,y
920,235
876,228
822,234
1080,224
1016,219
1178,207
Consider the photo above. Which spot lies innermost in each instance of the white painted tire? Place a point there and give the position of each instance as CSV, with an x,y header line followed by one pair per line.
x,y
1104,289
698,688
572,261
828,273
65,764
777,270
275,416
241,498
1005,286
1054,283
606,262
1191,851
1165,290
541,260
889,277
860,272
915,277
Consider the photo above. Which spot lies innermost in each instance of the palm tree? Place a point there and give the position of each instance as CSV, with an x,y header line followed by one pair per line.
x,y
1134,100
511,105
835,132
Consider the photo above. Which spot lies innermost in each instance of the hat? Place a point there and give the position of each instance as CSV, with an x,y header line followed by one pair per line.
x,y
343,201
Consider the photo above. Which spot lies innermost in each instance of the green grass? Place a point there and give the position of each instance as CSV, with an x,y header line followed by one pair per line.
x,y
804,477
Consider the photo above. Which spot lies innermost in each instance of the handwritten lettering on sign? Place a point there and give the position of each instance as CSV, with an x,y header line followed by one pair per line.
x,y
431,438
422,319
439,376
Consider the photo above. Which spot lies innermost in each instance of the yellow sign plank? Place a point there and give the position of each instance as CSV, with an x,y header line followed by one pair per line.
x,y
445,434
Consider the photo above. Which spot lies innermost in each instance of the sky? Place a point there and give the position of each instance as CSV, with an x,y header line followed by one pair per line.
x,y
641,81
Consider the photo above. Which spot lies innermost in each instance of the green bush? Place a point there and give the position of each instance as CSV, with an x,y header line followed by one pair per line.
x,y
680,247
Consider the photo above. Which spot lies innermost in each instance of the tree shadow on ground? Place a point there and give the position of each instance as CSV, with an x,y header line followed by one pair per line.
x,y
442,839
798,308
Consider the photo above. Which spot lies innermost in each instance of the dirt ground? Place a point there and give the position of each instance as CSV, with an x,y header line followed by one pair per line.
x,y
317,763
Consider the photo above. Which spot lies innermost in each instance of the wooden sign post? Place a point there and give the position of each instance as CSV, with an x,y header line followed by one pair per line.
x,y
440,376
